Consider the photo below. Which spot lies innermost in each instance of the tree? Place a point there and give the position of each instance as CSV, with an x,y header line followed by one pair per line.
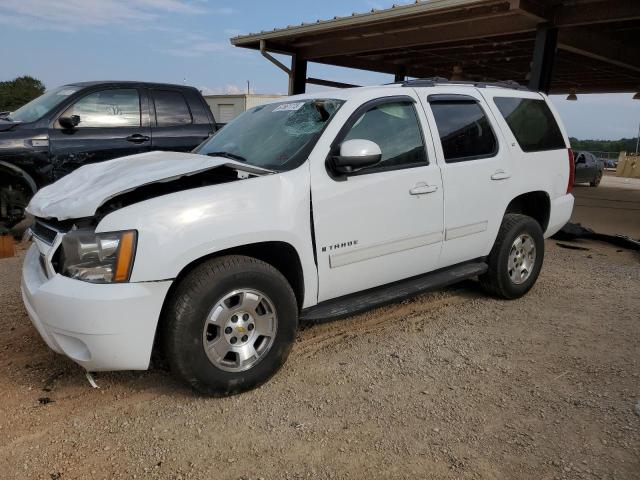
x,y
17,92
626,144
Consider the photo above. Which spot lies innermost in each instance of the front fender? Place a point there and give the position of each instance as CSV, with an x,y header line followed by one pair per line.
x,y
177,229
19,173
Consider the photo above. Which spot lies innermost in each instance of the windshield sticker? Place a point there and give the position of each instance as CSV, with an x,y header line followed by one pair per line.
x,y
66,93
289,107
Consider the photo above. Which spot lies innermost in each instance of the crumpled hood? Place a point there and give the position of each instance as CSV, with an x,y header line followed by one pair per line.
x,y
83,191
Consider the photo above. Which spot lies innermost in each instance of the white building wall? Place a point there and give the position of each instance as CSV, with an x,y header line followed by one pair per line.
x,y
255,100
227,107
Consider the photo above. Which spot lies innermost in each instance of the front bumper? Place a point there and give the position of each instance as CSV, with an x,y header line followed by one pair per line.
x,y
99,326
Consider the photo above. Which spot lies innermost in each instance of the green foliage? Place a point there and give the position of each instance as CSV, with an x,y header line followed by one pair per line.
x,y
624,144
17,92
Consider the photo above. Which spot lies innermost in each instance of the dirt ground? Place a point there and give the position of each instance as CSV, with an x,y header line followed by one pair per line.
x,y
613,207
448,385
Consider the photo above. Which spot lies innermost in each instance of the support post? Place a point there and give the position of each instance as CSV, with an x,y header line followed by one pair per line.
x,y
544,53
298,77
401,74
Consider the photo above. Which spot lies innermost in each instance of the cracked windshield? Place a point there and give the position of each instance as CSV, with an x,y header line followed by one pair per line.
x,y
277,136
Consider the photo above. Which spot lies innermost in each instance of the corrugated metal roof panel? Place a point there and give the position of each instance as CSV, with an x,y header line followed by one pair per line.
x,y
419,6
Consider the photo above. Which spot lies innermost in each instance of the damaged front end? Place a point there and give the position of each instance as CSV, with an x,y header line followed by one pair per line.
x,y
218,175
67,213
102,187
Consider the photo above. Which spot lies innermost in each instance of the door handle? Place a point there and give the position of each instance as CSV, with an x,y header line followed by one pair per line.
x,y
500,175
423,188
137,138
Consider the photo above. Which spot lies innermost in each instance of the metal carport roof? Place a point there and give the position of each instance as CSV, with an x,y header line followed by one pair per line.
x,y
558,46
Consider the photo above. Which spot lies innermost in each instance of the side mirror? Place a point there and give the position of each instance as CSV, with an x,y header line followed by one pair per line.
x,y
581,159
356,155
69,123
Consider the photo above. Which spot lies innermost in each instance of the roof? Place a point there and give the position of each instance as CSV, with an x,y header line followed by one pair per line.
x,y
453,87
95,83
598,47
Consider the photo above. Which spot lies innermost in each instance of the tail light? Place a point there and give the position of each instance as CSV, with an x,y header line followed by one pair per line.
x,y
572,172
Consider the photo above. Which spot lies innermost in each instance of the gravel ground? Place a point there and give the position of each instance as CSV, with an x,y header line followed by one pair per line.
x,y
448,385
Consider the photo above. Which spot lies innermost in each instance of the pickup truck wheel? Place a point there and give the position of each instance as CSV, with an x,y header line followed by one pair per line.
x,y
14,198
229,325
516,257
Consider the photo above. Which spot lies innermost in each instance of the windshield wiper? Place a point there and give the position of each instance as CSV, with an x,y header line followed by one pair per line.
x,y
232,156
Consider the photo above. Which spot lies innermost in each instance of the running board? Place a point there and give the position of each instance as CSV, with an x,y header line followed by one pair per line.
x,y
393,292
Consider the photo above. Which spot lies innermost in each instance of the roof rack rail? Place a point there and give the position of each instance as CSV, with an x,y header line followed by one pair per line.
x,y
433,81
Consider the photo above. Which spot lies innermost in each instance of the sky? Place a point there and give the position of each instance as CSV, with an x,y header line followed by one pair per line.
x,y
187,41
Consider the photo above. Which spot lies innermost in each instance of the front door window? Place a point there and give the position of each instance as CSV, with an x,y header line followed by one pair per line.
x,y
108,108
395,129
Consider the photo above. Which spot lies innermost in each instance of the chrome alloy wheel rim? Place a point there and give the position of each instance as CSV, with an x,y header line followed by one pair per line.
x,y
522,259
240,330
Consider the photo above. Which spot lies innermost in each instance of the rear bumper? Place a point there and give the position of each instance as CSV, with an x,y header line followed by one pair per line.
x,y
561,210
100,327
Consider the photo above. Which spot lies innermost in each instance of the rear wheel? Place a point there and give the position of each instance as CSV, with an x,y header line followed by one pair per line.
x,y
596,181
229,325
516,257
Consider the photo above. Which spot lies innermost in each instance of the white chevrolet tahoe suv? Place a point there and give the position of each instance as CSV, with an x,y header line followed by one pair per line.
x,y
314,207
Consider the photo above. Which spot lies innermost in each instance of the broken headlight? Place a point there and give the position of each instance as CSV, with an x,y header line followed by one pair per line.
x,y
98,257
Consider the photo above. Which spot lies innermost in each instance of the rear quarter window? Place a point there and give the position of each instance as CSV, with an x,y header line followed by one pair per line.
x,y
196,105
171,108
532,123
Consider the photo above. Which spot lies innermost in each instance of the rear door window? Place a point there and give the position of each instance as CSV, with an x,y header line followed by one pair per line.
x,y
464,129
532,123
171,108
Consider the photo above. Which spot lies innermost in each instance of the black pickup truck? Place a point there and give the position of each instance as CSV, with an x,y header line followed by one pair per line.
x,y
81,123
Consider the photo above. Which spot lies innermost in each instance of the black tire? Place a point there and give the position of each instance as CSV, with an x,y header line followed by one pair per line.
x,y
596,181
14,198
496,280
188,308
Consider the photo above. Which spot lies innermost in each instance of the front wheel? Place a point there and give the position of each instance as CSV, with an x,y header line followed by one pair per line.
x,y
516,257
229,325
14,198
596,181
